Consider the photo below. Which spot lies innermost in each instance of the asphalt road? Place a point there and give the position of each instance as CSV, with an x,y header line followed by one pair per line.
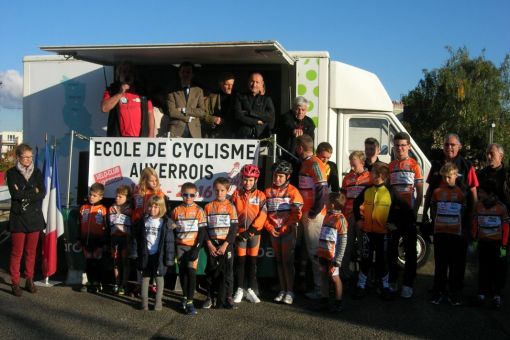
x,y
62,313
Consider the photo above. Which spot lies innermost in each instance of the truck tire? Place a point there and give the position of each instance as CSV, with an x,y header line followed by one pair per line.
x,y
422,252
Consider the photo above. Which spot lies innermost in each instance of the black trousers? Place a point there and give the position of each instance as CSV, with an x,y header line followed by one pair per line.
x,y
374,244
409,236
220,276
450,262
492,268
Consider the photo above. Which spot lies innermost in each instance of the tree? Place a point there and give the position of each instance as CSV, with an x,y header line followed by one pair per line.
x,y
465,96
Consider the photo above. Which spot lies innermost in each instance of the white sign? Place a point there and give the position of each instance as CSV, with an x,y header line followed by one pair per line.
x,y
116,161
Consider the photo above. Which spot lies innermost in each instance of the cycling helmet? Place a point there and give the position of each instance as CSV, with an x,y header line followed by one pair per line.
x,y
282,167
250,170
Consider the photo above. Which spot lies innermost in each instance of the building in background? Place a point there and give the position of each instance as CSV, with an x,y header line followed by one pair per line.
x,y
398,109
9,140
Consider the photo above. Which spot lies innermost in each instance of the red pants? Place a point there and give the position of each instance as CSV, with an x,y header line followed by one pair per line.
x,y
26,242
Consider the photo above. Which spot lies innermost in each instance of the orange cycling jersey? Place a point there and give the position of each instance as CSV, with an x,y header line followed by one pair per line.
x,y
221,217
334,225
354,184
283,207
188,218
448,203
92,222
490,223
404,175
251,209
140,202
311,174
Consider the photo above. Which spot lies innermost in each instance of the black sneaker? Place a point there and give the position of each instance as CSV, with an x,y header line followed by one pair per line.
x,y
436,298
229,304
359,292
336,307
183,303
454,299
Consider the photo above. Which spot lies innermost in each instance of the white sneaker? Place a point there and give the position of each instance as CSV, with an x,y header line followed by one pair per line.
x,y
251,296
280,296
393,287
407,292
289,298
238,296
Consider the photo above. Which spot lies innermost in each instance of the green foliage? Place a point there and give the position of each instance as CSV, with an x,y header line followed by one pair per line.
x,y
465,96
8,160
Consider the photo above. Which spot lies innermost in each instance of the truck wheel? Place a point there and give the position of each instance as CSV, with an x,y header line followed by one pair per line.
x,y
422,252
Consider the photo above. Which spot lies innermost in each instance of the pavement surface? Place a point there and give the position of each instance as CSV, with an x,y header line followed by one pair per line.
x,y
60,312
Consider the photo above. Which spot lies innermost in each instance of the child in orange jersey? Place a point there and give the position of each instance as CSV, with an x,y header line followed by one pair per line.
x,y
220,237
189,237
447,204
283,202
490,234
92,236
250,206
120,230
332,245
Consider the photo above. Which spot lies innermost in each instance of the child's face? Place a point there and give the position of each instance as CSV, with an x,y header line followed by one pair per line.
x,y
153,210
95,197
220,191
280,179
248,183
376,177
188,196
450,178
120,199
355,163
152,182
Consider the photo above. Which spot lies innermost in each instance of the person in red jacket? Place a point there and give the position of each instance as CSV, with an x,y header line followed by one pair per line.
x,y
490,235
283,202
92,236
251,212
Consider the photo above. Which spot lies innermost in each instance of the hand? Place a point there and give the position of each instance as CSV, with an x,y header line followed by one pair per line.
x,y
124,88
212,249
502,252
36,190
259,122
275,233
298,132
222,249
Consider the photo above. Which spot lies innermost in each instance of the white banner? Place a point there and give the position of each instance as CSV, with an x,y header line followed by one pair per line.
x,y
116,161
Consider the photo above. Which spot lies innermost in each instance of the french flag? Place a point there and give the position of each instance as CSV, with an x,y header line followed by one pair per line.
x,y
53,216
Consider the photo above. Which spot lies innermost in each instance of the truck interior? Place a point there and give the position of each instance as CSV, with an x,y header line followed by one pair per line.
x,y
157,65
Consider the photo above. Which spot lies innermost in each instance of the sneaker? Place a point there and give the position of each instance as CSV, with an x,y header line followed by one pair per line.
x,y
336,307
394,288
30,287
280,296
251,296
436,298
289,298
386,294
359,293
407,292
98,287
229,304
183,303
238,296
115,289
496,301
208,303
190,309
454,299
313,295
121,291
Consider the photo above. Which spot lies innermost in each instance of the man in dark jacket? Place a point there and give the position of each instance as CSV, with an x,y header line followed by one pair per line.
x,y
254,112
295,123
495,170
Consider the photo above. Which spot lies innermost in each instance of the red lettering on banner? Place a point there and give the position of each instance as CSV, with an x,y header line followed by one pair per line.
x,y
108,176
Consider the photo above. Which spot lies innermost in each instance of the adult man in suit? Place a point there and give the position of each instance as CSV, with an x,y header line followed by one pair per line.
x,y
186,106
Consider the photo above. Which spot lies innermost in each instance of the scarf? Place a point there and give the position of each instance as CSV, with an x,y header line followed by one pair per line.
x,y
26,172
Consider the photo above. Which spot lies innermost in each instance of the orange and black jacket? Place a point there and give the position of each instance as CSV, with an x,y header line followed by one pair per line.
x,y
251,210
221,221
283,207
93,225
382,205
490,223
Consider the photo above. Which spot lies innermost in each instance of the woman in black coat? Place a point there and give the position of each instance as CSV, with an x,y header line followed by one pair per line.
x,y
26,187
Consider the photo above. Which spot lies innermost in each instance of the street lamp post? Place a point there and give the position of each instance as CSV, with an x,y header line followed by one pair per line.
x,y
491,133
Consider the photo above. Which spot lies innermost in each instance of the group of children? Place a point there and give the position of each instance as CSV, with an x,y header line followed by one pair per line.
x,y
141,229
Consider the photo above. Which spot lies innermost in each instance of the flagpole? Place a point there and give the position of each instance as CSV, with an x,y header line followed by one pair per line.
x,y
71,143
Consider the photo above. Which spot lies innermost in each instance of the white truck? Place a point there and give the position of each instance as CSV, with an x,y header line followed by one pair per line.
x,y
348,104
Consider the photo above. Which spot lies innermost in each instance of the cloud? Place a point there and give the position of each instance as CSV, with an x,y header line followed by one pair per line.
x,y
11,89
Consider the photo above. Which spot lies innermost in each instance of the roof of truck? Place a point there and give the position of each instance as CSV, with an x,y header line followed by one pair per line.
x,y
238,52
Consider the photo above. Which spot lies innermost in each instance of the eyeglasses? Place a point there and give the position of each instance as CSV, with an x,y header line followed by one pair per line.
x,y
26,157
187,195
450,145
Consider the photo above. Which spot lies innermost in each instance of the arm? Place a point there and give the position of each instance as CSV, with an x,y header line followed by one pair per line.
x,y
321,198
199,110
169,245
419,198
174,111
242,115
341,244
152,132
358,201
109,102
15,191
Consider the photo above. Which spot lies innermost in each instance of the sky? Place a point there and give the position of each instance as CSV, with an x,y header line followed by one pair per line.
x,y
395,39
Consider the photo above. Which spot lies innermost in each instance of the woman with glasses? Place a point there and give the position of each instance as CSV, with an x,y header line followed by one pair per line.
x,y
26,187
